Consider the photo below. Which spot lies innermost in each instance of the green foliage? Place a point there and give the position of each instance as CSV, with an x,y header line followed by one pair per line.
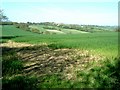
x,y
10,63
12,71
104,76
20,82
54,81
113,72
22,25
6,23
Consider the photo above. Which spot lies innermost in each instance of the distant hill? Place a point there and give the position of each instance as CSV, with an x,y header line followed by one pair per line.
x,y
47,27
52,28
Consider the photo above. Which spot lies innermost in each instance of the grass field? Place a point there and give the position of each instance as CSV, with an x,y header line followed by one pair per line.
x,y
10,30
105,43
84,60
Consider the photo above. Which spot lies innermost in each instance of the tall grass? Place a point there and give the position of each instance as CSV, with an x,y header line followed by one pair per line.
x,y
12,73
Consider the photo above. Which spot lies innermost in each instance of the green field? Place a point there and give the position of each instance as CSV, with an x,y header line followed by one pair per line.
x,y
105,43
10,30
70,60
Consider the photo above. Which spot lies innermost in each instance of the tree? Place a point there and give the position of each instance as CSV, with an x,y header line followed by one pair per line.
x,y
3,18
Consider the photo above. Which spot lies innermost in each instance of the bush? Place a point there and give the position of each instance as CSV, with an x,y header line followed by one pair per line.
x,y
23,26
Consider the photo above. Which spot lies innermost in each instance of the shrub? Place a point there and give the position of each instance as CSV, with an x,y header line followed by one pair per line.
x,y
23,26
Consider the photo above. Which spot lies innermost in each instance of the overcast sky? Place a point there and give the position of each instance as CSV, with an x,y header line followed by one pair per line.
x,y
97,12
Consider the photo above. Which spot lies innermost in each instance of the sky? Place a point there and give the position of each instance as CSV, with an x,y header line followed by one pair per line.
x,y
90,12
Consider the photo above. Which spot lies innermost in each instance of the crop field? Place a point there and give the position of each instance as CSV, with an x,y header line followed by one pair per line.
x,y
105,43
70,59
